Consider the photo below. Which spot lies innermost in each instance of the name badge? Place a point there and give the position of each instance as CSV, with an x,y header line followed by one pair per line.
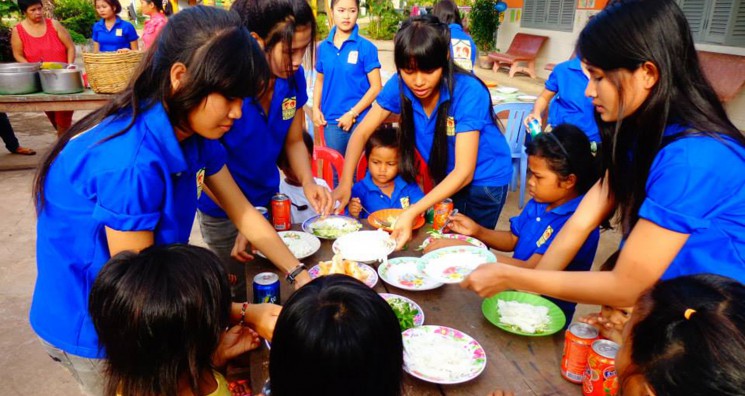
x,y
451,126
118,32
352,59
546,234
405,202
200,182
288,108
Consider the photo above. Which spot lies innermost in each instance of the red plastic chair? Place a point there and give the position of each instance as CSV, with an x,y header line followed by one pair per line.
x,y
422,177
329,160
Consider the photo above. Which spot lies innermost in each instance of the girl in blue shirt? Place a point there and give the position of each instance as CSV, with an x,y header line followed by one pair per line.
x,y
348,78
111,33
446,115
562,169
128,176
462,48
382,187
674,166
272,122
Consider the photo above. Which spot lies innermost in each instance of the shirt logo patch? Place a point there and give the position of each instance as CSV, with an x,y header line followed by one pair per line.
x,y
404,202
352,58
451,126
546,234
118,32
200,182
462,53
288,108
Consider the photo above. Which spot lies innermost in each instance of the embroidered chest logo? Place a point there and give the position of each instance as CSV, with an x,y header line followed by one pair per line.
x,y
352,58
451,126
289,106
546,234
404,202
200,182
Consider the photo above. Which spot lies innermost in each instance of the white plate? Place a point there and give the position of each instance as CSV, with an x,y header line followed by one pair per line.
x,y
371,279
453,264
404,273
334,226
506,90
473,241
418,318
498,98
527,98
364,246
301,244
442,355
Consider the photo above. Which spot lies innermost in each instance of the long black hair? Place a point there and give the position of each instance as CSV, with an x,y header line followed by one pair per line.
x,y
447,12
622,37
159,315
423,43
567,151
690,337
163,6
336,337
275,21
220,57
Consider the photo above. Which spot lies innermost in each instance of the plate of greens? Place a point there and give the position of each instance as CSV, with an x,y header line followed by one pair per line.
x,y
408,312
524,314
332,226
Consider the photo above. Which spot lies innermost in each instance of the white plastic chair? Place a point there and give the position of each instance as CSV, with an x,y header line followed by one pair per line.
x,y
515,134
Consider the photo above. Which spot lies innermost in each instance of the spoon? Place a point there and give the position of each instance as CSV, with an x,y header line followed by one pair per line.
x,y
453,213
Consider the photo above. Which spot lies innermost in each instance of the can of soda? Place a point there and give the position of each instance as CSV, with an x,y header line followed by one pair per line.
x,y
281,213
266,288
577,342
442,214
534,127
264,211
429,216
600,377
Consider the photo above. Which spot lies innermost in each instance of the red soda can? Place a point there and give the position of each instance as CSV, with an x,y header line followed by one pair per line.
x,y
281,213
600,377
442,214
578,340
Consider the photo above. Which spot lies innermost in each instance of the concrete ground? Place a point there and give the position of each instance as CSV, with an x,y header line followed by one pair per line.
x,y
24,367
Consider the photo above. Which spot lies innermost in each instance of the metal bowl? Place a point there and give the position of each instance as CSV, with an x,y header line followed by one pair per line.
x,y
61,81
19,78
16,67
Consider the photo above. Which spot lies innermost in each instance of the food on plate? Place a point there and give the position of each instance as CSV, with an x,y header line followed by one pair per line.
x,y
404,311
334,227
437,357
297,245
338,265
524,317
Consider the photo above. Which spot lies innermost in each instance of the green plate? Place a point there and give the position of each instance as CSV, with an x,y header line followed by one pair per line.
x,y
490,311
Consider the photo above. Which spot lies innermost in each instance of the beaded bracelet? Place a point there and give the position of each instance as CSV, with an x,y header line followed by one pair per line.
x,y
243,313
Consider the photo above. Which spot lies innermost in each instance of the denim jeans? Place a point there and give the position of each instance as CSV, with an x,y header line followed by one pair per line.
x,y
89,373
219,234
483,204
7,134
337,139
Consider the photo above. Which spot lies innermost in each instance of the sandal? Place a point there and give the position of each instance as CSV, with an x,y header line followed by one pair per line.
x,y
24,151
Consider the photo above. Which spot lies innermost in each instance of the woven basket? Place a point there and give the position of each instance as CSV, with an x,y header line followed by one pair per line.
x,y
109,72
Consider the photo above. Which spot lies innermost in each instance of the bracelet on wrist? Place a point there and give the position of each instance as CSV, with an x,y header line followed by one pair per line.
x,y
243,313
294,273
353,113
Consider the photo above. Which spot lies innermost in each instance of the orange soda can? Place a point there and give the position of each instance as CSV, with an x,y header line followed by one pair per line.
x,y
281,212
600,377
442,214
578,340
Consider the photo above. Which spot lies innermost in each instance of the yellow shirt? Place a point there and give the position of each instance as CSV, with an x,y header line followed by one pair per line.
x,y
221,390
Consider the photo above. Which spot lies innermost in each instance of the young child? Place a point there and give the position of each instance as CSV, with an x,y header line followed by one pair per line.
x,y
111,33
383,187
348,78
562,169
161,316
610,321
447,116
336,337
462,48
158,11
290,185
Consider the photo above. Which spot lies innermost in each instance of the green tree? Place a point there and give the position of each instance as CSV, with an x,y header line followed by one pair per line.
x,y
483,23
384,20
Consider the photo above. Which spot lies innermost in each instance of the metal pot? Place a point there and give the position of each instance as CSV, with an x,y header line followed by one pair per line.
x,y
19,78
61,81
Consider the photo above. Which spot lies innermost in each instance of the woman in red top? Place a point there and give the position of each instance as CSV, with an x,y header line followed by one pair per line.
x,y
157,10
37,39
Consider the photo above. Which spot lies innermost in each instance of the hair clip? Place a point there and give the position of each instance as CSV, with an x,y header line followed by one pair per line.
x,y
687,314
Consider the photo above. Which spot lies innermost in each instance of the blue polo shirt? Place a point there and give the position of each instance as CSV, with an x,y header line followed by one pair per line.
x,y
373,198
696,186
470,110
142,180
570,105
462,48
345,72
536,228
120,35
256,140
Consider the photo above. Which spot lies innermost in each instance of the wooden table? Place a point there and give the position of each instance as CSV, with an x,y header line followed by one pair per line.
x,y
524,365
86,100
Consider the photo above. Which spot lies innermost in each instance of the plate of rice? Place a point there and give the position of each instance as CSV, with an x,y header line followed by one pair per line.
x,y
301,244
524,314
442,355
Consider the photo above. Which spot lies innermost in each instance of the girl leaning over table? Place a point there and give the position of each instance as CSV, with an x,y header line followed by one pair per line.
x,y
39,39
128,176
675,166
446,115
271,123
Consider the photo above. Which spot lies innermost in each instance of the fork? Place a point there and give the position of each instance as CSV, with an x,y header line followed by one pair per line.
x,y
453,213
